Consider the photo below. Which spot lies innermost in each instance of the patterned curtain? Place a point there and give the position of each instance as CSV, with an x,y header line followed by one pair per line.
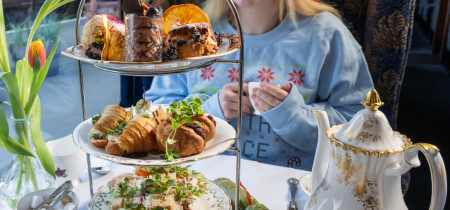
x,y
384,30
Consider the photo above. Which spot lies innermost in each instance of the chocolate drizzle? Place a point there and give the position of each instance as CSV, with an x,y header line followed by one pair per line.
x,y
198,130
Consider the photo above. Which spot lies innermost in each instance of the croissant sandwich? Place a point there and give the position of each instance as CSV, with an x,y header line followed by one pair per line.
x,y
191,138
112,116
137,136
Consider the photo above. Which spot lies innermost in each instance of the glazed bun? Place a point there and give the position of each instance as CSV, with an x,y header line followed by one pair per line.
x,y
190,138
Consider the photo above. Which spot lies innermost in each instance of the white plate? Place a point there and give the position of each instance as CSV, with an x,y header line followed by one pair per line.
x,y
224,138
215,199
229,45
305,184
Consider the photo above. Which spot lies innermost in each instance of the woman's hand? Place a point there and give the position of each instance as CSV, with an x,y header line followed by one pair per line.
x,y
228,100
269,96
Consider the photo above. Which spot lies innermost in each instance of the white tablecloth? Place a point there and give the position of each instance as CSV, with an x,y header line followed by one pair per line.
x,y
267,183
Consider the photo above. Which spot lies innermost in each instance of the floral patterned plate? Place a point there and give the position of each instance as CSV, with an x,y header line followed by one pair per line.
x,y
224,138
215,199
229,45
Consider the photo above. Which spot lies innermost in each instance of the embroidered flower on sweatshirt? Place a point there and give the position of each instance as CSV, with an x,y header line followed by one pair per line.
x,y
234,74
207,73
297,77
265,75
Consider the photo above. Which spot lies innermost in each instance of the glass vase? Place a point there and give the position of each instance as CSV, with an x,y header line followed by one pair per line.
x,y
25,174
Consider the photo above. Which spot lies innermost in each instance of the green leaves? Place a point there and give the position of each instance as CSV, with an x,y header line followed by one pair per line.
x,y
14,95
95,118
38,140
4,60
7,143
12,146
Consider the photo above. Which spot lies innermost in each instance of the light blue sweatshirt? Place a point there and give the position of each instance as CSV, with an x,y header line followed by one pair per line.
x,y
319,57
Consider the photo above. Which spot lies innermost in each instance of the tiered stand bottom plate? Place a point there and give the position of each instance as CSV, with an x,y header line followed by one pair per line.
x,y
215,199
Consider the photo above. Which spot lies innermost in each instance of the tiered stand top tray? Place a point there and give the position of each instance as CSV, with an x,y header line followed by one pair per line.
x,y
229,45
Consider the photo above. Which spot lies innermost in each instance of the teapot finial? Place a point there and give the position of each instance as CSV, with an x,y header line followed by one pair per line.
x,y
372,100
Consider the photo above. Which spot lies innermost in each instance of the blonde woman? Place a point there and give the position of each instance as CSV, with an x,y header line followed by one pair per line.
x,y
299,44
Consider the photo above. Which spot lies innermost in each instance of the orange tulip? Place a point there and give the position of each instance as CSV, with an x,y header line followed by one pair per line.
x,y
39,47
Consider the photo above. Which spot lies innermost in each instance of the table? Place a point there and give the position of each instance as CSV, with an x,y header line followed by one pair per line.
x,y
267,183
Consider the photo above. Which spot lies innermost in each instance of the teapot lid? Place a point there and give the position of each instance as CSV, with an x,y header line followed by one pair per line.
x,y
369,129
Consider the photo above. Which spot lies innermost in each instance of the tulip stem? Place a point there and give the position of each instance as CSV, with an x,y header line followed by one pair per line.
x,y
33,91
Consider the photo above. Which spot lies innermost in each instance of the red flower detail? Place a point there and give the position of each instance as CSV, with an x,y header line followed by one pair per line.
x,y
235,154
296,149
283,151
261,136
273,161
247,133
297,77
207,73
277,139
265,75
234,74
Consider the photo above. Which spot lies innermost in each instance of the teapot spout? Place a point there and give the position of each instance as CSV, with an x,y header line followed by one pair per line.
x,y
321,158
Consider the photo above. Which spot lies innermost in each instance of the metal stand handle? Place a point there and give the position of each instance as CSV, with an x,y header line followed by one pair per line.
x,y
239,119
83,102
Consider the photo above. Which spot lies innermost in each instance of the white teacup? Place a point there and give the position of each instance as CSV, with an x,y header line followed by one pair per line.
x,y
70,161
252,85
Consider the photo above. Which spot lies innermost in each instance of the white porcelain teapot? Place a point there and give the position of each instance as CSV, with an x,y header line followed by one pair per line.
x,y
358,166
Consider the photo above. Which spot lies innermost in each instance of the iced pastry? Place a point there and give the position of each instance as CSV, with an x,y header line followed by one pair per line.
x,y
144,31
144,36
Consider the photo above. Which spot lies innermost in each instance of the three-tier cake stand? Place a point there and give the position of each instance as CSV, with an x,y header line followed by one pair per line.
x,y
171,70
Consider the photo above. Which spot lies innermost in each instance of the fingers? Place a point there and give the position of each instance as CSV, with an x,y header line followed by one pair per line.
x,y
235,87
287,87
274,91
229,105
266,97
262,105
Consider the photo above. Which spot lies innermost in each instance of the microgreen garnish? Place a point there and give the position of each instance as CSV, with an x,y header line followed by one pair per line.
x,y
118,129
99,135
124,190
182,112
96,117
99,37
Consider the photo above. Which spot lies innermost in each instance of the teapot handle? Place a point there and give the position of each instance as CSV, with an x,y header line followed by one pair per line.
x,y
437,168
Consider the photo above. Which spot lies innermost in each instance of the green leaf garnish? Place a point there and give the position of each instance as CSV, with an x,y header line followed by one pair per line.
x,y
182,111
96,117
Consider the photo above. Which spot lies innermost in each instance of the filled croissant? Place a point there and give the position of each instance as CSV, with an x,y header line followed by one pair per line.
x,y
190,138
137,136
111,117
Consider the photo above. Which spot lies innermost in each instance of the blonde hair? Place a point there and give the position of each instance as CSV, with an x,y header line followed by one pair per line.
x,y
215,9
